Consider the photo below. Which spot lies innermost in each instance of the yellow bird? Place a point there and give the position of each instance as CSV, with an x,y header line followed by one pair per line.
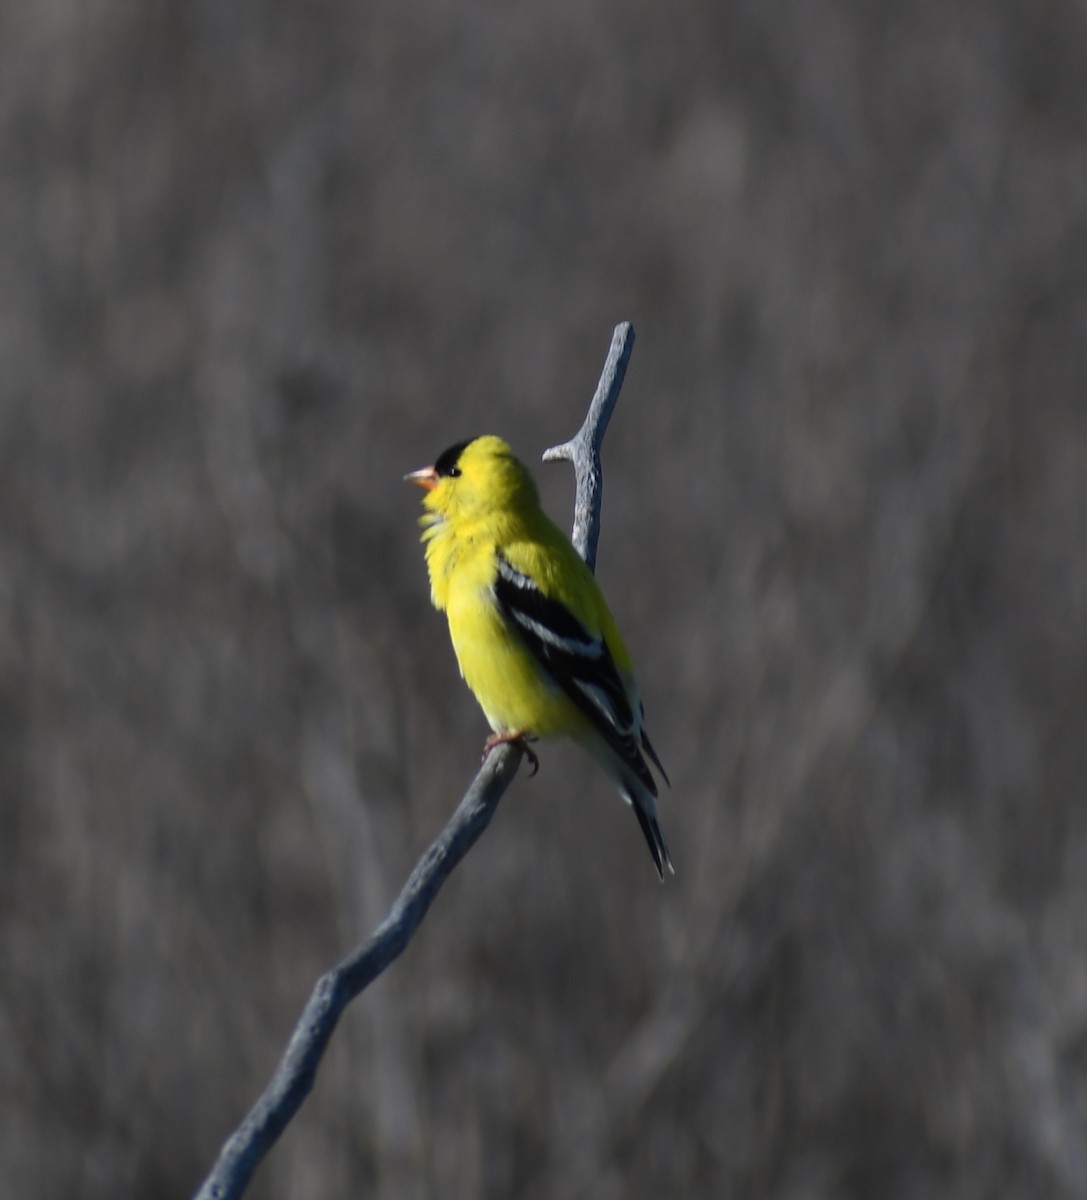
x,y
531,630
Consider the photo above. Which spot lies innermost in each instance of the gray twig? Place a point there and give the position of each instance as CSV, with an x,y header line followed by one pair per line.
x,y
293,1079
583,449
297,1069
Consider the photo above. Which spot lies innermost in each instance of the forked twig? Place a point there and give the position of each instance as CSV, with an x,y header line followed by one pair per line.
x,y
293,1078
583,449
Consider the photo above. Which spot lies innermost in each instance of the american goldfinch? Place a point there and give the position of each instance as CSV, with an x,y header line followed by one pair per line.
x,y
532,633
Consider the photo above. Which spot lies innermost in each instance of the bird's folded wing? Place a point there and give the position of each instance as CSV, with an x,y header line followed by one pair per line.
x,y
578,661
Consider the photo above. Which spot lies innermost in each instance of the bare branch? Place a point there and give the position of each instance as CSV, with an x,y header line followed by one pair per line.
x,y
293,1079
583,449
297,1069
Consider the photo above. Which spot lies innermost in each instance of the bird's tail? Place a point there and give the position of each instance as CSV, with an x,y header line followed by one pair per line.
x,y
638,788
645,810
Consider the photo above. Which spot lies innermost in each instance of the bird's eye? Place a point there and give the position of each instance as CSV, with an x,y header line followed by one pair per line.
x,y
453,473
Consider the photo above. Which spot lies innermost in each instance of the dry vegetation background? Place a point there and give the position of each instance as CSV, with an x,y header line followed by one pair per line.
x,y
259,259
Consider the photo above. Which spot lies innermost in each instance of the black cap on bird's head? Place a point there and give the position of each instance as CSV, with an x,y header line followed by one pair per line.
x,y
445,467
446,463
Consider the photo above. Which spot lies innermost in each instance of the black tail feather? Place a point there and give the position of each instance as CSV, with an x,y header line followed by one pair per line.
x,y
647,746
654,837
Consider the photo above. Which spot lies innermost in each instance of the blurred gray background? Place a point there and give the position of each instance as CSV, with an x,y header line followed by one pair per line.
x,y
258,260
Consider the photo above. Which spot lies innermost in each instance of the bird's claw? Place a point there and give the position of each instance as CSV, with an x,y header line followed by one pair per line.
x,y
512,739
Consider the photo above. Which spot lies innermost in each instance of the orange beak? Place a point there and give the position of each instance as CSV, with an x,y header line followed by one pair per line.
x,y
425,477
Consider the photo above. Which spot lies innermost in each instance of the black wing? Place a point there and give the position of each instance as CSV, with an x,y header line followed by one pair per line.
x,y
578,661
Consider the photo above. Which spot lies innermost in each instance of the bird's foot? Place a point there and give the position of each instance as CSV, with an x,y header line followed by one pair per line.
x,y
513,738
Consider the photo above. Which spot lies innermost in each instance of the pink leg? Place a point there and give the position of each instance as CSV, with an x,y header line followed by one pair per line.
x,y
514,738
